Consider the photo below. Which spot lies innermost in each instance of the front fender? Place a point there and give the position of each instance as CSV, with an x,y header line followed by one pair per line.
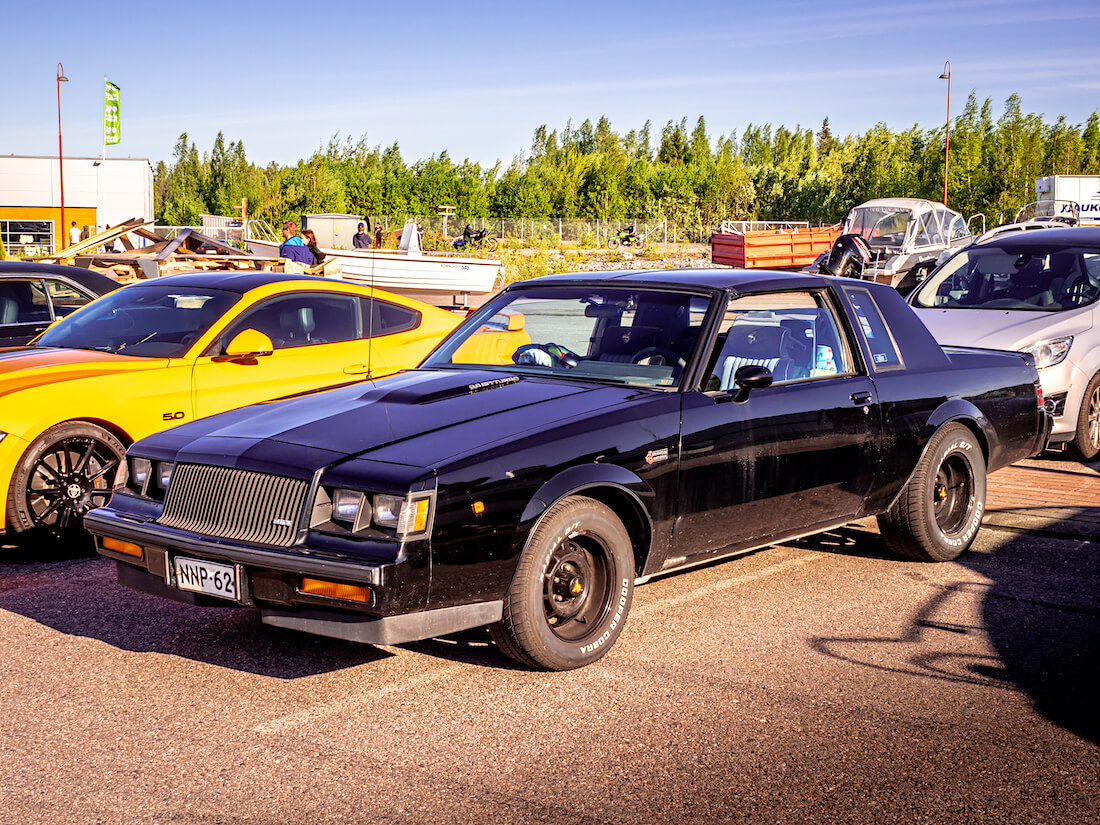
x,y
619,488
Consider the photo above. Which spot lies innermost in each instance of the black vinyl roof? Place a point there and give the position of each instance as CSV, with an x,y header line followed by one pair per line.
x,y
737,280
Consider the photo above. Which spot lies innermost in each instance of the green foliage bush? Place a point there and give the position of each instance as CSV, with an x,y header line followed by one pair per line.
x,y
683,175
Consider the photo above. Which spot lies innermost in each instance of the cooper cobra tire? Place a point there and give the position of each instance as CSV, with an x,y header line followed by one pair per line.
x,y
1085,445
940,510
572,589
65,472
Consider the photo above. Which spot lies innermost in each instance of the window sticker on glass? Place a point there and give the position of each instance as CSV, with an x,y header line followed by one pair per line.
x,y
879,342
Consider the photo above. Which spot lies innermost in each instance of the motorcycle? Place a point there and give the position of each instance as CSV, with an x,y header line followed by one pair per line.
x,y
480,239
626,237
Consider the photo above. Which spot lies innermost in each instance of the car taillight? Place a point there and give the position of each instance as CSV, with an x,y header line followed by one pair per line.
x,y
1039,394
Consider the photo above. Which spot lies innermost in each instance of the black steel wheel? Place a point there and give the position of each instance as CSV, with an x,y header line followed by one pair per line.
x,y
938,514
572,589
67,471
1085,445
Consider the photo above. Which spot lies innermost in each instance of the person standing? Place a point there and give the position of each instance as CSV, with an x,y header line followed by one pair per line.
x,y
74,234
378,236
294,248
311,245
361,240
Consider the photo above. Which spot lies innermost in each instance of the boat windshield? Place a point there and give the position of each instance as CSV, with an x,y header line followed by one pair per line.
x,y
879,226
147,321
634,336
1014,277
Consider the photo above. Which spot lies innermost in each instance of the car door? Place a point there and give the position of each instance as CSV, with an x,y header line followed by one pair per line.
x,y
317,342
779,460
24,310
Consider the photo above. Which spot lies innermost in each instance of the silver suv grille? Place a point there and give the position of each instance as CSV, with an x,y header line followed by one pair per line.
x,y
234,504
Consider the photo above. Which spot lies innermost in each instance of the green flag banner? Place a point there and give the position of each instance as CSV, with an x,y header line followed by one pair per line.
x,y
112,123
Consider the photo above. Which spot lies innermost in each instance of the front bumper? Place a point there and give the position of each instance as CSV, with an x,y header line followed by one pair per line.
x,y
270,579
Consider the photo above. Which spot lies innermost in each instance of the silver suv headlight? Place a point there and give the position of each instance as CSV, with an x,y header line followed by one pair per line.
x,y
1050,352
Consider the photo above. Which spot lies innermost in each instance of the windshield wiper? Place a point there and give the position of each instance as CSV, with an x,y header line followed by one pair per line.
x,y
123,345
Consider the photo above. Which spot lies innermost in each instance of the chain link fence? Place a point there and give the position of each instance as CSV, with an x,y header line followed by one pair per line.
x,y
582,233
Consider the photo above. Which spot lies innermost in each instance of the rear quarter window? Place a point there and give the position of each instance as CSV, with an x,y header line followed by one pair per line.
x,y
872,328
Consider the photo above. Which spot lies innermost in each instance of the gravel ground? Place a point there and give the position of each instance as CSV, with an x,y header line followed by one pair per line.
x,y
819,681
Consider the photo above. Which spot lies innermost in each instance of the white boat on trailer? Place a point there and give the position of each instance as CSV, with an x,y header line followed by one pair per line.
x,y
408,270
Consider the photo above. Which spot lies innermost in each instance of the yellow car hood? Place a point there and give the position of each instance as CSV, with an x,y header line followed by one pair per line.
x,y
26,367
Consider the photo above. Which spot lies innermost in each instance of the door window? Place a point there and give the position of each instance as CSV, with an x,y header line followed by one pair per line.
x,y
65,298
300,320
23,301
794,334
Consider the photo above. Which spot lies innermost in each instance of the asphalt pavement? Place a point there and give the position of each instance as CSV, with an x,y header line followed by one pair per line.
x,y
818,681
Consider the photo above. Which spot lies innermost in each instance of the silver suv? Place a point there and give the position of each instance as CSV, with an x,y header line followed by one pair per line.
x,y
1036,292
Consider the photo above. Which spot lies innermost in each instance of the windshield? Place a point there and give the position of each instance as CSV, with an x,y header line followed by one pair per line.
x,y
642,337
1020,277
148,321
879,226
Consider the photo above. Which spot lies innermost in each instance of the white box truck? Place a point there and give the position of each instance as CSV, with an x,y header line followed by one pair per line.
x,y
1083,190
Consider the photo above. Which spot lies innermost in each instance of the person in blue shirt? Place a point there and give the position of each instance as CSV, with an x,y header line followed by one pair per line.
x,y
361,240
294,248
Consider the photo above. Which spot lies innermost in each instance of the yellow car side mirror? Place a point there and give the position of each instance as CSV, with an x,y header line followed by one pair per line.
x,y
249,343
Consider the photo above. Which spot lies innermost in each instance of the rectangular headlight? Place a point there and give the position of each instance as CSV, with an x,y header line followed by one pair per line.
x,y
387,511
408,516
346,504
138,472
164,473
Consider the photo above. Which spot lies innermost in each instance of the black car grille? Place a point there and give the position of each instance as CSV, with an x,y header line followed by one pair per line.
x,y
234,504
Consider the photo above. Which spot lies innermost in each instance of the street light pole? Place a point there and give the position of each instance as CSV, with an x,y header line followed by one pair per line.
x,y
60,154
947,130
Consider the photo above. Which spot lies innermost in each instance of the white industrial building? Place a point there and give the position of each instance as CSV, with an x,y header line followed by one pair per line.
x,y
98,192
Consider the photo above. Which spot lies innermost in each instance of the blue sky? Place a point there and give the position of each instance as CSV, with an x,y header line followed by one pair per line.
x,y
285,77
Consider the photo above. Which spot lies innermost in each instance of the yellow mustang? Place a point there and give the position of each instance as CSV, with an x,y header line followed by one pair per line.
x,y
162,352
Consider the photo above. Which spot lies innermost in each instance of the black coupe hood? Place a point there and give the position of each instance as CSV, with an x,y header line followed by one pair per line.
x,y
413,418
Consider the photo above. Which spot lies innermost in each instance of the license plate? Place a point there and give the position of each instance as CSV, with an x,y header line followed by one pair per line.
x,y
208,577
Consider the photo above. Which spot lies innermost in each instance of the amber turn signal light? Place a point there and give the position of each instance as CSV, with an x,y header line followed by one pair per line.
x,y
123,547
335,590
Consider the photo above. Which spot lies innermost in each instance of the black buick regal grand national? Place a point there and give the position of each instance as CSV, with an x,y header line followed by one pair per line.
x,y
618,426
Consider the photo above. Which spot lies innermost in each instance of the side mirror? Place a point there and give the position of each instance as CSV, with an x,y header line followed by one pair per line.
x,y
249,343
751,377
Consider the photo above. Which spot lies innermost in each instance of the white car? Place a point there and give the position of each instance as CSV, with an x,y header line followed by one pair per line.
x,y
1031,292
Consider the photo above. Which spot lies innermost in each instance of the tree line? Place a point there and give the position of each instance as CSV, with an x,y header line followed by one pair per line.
x,y
681,174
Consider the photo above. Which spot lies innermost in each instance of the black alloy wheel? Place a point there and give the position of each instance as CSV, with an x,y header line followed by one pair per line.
x,y
67,471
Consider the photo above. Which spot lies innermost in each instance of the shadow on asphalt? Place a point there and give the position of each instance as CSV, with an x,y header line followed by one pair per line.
x,y
46,587
1040,610
80,597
